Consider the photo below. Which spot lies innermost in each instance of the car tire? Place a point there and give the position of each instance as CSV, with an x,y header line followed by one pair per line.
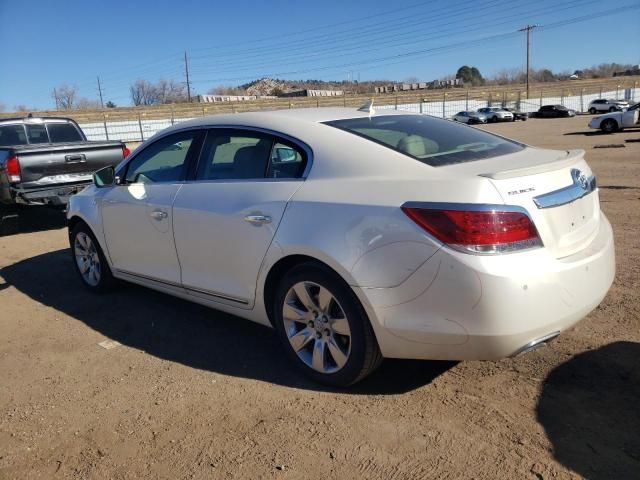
x,y
325,331
89,260
612,109
609,125
593,111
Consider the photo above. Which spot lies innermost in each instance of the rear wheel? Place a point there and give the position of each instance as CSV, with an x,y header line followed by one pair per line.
x,y
89,261
323,328
609,125
593,111
612,109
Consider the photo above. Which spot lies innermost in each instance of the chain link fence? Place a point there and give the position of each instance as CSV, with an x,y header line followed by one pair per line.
x,y
140,126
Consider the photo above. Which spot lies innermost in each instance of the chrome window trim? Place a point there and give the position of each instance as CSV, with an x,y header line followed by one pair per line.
x,y
159,136
580,187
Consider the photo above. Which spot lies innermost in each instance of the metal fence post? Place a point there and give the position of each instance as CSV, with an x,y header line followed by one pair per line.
x,y
466,102
420,100
600,91
562,97
172,115
396,101
582,99
490,100
519,106
541,98
140,125
203,111
617,90
104,122
444,103
504,99
633,93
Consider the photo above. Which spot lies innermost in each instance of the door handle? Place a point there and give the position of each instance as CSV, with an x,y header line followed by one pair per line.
x,y
159,215
257,219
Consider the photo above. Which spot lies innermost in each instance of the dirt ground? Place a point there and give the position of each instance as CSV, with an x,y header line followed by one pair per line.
x,y
194,393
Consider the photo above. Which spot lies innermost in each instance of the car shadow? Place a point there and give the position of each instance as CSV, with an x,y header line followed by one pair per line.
x,y
30,219
590,409
187,333
592,133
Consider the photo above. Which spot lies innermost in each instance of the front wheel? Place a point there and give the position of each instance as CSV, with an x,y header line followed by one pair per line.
x,y
323,327
593,111
609,126
89,261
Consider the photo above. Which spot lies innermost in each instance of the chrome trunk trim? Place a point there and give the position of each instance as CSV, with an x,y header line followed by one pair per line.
x,y
581,187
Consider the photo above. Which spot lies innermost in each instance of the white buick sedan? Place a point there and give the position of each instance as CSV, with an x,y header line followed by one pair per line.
x,y
356,235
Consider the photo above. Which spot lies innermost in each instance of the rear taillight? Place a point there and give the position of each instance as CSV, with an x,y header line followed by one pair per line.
x,y
12,166
125,151
487,230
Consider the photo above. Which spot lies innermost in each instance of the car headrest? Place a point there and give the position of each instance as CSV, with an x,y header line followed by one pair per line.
x,y
417,146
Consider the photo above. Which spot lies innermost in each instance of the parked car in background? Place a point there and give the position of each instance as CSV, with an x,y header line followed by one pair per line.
x,y
356,235
517,114
45,160
604,105
469,117
496,114
555,111
614,121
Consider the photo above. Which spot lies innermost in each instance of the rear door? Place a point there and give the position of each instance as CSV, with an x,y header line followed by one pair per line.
x,y
225,220
137,214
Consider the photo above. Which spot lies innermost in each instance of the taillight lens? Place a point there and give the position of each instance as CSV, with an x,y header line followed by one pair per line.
x,y
478,231
12,166
125,151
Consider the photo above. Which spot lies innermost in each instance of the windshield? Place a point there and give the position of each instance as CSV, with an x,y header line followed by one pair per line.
x,y
430,140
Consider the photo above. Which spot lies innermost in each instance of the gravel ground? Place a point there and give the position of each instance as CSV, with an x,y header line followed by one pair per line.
x,y
194,393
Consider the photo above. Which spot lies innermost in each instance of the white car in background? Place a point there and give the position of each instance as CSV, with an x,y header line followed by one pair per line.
x,y
604,105
614,121
496,114
356,235
469,117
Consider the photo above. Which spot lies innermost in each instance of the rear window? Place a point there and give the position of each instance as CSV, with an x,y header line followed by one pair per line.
x,y
63,132
12,135
430,140
37,134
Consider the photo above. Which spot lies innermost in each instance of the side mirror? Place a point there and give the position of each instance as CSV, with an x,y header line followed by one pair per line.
x,y
105,177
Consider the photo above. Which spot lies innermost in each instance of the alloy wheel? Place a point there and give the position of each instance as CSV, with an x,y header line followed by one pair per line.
x,y
316,327
87,259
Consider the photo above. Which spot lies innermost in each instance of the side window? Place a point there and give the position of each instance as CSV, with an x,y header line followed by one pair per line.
x,y
37,134
234,155
164,160
12,135
286,161
63,132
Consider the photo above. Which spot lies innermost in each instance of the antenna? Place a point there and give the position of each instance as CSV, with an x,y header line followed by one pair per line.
x,y
368,107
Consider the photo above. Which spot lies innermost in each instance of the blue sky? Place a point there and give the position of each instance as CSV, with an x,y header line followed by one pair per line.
x,y
48,43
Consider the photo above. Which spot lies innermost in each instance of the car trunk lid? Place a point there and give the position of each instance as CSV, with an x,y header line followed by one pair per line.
x,y
559,192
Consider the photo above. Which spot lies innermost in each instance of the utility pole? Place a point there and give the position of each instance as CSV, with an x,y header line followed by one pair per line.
x,y
55,96
100,92
528,29
186,70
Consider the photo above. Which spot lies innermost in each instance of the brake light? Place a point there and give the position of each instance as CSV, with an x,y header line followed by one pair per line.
x,y
478,231
125,151
12,166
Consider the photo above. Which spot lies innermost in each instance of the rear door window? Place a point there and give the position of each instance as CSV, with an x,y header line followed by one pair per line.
x,y
37,133
63,132
428,139
286,161
230,154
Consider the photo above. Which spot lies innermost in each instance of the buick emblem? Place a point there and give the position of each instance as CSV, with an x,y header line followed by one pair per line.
x,y
580,178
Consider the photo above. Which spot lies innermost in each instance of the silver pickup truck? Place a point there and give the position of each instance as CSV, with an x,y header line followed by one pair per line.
x,y
45,160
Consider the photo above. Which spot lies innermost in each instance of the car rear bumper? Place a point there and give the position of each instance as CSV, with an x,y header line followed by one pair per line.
x,y
466,307
56,195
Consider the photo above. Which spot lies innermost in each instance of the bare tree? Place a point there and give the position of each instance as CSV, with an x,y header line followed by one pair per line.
x,y
65,96
21,108
86,104
143,93
170,91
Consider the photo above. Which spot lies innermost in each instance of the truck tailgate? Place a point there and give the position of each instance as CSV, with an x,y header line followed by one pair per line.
x,y
65,163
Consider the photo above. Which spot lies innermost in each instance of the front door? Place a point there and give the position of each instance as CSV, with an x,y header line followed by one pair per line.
x,y
225,220
137,214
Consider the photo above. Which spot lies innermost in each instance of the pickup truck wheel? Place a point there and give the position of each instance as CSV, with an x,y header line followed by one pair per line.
x,y
593,111
323,327
609,125
89,261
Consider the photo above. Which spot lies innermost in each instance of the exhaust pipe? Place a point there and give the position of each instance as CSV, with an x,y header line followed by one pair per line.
x,y
535,344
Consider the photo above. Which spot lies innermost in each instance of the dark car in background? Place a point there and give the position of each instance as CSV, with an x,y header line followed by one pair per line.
x,y
555,111
517,114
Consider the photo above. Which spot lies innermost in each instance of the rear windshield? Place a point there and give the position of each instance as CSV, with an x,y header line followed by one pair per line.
x,y
12,135
63,132
431,140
